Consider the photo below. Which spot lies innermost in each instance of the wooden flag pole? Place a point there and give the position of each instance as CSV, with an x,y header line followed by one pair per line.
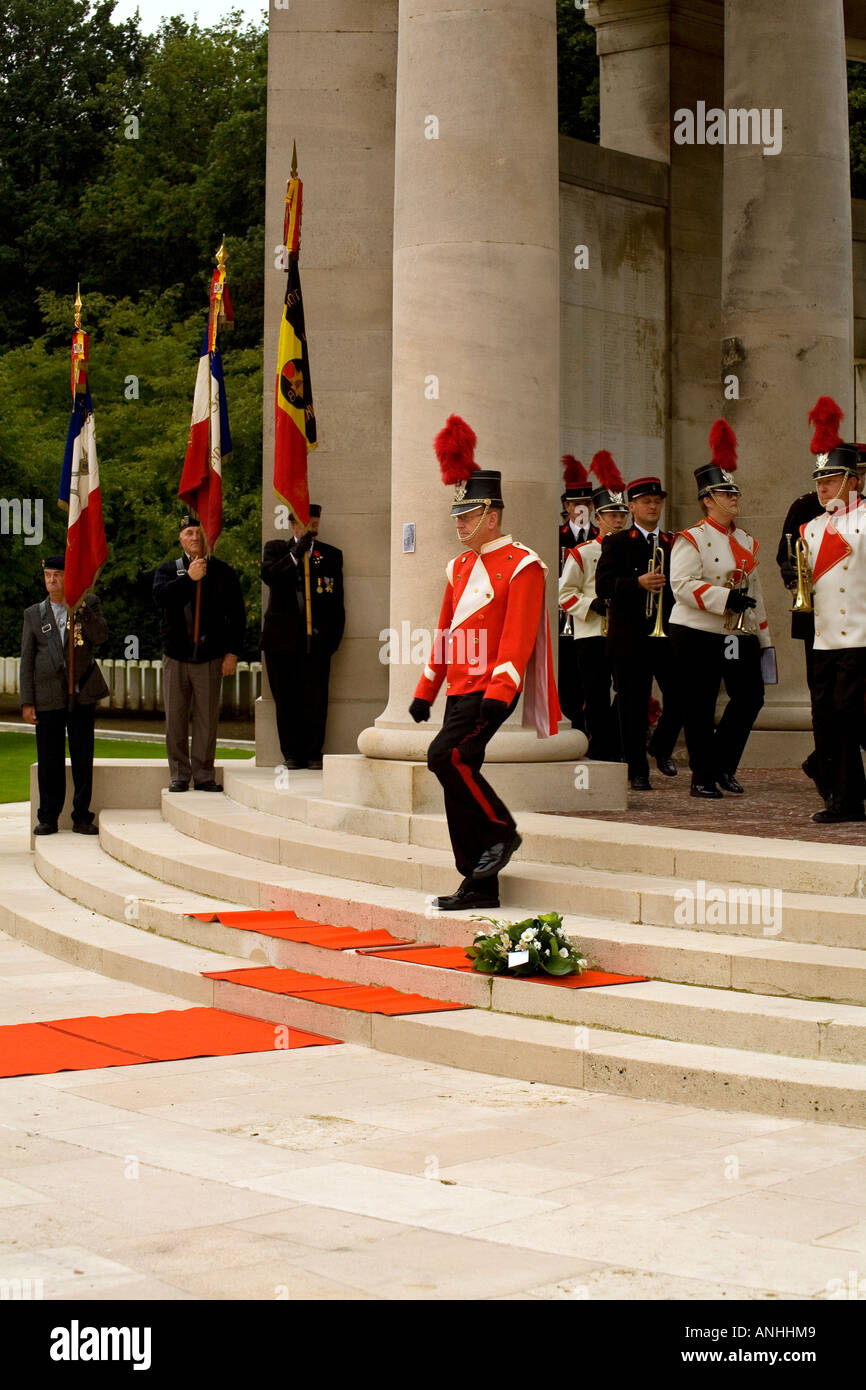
x,y
70,628
70,612
308,604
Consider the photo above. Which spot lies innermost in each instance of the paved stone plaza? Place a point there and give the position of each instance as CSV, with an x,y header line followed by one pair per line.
x,y
343,1173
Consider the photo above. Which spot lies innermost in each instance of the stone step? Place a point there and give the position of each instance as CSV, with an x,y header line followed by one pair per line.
x,y
42,918
795,866
678,1012
511,1044
533,1049
625,893
678,955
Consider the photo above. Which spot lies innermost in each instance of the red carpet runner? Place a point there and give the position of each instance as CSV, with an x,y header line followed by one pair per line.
x,y
343,994
128,1040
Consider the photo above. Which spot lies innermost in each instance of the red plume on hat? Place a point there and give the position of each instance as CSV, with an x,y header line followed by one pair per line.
x,y
723,446
605,469
824,417
455,450
573,472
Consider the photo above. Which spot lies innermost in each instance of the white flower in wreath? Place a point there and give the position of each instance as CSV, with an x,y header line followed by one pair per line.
x,y
564,951
583,962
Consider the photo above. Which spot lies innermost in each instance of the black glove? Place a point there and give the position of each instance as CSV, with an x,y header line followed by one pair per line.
x,y
420,710
304,544
789,574
494,712
738,602
598,605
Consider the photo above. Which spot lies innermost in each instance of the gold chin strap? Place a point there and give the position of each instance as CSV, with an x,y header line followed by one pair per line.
x,y
831,500
474,533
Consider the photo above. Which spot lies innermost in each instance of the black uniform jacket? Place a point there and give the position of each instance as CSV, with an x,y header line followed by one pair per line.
x,y
567,541
624,556
222,620
43,679
285,621
801,510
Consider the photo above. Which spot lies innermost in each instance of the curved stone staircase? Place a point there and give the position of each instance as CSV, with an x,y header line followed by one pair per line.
x,y
763,1014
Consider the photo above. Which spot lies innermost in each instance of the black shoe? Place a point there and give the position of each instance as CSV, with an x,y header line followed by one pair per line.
x,y
178,786
706,789
44,827
85,827
666,766
210,786
495,858
466,900
315,764
641,784
292,765
834,814
729,784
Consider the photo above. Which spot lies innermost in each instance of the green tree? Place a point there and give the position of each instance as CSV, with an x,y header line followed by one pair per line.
x,y
857,127
65,76
191,169
134,347
578,73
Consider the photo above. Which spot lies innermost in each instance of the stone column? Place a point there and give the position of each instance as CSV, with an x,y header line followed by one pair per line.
x,y
787,299
476,307
331,79
657,58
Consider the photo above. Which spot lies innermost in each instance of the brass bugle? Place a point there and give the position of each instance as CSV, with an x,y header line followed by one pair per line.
x,y
803,596
655,597
736,622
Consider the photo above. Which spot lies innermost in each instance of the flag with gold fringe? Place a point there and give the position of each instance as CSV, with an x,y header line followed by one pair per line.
x,y
294,414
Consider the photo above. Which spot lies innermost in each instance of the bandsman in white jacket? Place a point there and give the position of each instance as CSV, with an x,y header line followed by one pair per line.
x,y
836,546
718,624
579,602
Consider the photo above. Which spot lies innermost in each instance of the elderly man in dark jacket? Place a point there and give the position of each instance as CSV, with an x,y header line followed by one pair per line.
x,y
193,670
47,702
298,662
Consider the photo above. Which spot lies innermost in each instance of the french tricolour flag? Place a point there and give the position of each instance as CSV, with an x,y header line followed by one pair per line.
x,y
86,550
209,443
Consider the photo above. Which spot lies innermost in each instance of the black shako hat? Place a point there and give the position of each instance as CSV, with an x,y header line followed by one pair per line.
x,y
832,454
610,495
473,486
315,509
482,489
718,474
575,478
645,487
54,562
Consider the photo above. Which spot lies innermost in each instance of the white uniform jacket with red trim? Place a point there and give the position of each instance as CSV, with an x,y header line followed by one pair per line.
x,y
702,559
577,588
837,555
493,635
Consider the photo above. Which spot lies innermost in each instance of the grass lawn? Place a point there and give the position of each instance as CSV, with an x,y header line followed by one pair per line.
x,y
18,751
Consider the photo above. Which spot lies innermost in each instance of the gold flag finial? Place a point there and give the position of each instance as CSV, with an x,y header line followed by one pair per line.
x,y
77,306
221,254
294,159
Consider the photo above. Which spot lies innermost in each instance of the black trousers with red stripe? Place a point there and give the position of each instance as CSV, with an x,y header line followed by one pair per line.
x,y
477,818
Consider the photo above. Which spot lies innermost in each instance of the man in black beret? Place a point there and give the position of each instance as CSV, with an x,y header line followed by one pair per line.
x,y
47,701
193,670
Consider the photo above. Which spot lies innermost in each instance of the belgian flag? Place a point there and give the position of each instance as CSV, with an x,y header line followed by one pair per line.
x,y
294,414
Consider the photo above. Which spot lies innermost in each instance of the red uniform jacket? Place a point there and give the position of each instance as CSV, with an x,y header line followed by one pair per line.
x,y
493,633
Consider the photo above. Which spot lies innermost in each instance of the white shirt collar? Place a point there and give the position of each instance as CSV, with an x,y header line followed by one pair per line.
x,y
495,545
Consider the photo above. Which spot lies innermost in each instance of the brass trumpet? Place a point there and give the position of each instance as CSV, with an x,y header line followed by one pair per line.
x,y
736,622
803,596
654,598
